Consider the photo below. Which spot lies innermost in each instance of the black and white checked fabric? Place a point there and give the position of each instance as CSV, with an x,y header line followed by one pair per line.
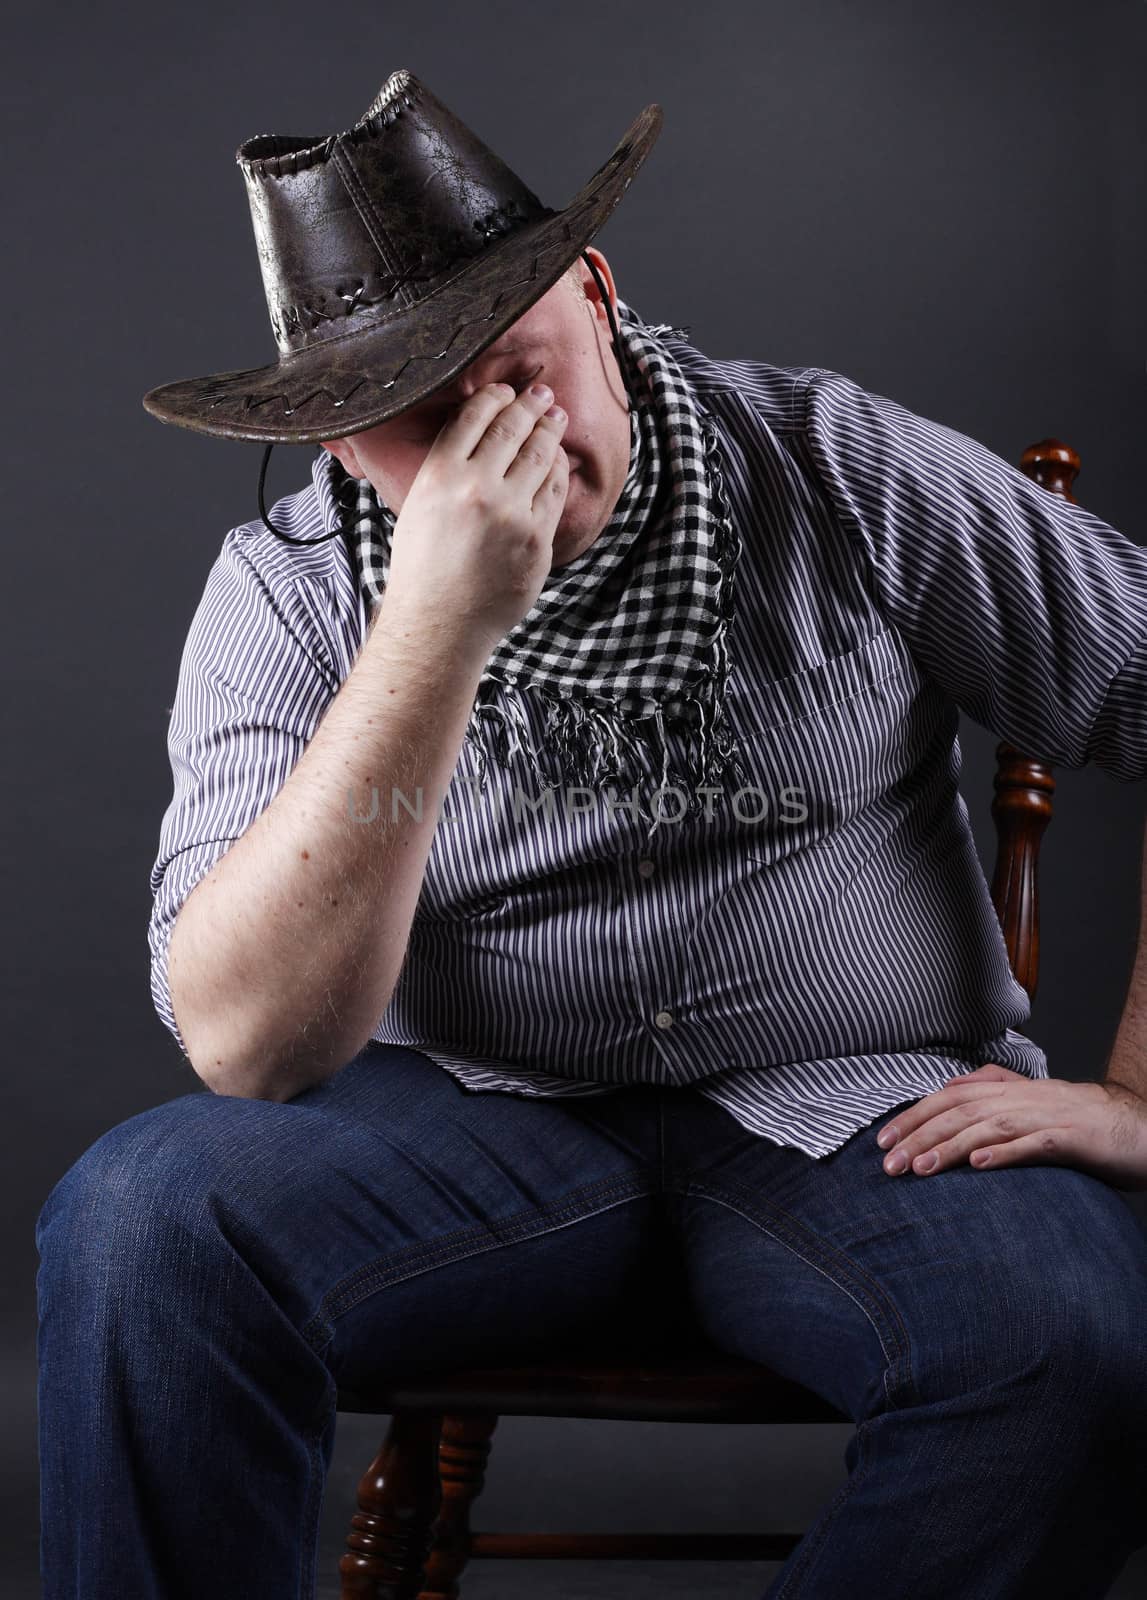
x,y
628,641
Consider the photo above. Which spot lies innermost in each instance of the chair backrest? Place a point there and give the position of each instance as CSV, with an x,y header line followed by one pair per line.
x,y
1024,787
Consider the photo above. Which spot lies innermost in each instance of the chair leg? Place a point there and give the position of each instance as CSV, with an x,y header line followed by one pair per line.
x,y
462,1455
398,1499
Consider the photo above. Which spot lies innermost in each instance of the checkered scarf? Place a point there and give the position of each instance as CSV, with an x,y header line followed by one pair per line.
x,y
626,645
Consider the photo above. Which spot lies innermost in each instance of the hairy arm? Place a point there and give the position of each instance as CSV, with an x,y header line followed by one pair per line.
x,y
285,956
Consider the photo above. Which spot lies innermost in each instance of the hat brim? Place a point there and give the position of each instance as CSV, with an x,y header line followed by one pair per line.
x,y
343,384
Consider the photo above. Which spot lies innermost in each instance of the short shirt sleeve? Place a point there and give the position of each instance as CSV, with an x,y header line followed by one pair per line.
x,y
1118,741
1028,610
250,693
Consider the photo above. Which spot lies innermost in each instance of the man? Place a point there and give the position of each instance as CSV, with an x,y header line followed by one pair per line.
x,y
587,554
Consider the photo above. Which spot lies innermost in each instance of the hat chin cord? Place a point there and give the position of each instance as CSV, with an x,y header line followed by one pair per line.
x,y
622,357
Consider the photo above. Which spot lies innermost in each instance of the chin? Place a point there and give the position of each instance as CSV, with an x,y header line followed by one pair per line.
x,y
569,542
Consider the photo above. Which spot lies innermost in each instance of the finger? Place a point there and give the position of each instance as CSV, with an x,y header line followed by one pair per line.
x,y
924,1136
988,1087
928,1155
536,452
1044,1146
554,486
464,427
508,429
912,1117
991,1071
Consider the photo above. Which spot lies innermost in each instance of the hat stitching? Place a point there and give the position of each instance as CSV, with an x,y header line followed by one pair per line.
x,y
315,152
330,311
368,214
395,85
250,402
224,385
305,315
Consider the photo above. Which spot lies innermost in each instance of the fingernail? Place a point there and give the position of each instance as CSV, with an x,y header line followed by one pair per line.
x,y
556,412
896,1163
926,1163
886,1137
542,390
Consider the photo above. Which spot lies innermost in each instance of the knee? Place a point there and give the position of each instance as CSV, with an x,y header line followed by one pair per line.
x,y
1091,1401
1059,1318
1074,1348
146,1178
1098,1357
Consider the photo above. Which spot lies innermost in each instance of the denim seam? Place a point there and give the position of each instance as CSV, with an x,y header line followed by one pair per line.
x,y
308,1574
881,1312
812,1543
374,1275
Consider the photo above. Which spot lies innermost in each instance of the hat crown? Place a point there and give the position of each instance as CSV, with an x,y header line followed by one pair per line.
x,y
392,254
354,226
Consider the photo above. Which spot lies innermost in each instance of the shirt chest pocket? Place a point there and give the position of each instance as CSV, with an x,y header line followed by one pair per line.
x,y
820,744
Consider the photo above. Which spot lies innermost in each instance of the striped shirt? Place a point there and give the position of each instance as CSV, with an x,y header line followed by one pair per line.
x,y
818,946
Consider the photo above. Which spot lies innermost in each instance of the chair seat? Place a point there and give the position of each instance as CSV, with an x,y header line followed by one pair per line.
x,y
701,1387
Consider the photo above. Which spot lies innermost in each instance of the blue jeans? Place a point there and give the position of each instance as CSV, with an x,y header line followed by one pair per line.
x,y
211,1267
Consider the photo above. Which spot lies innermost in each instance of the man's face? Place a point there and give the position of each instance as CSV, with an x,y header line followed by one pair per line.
x,y
561,340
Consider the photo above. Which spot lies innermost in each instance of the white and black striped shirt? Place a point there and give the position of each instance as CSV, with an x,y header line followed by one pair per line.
x,y
819,947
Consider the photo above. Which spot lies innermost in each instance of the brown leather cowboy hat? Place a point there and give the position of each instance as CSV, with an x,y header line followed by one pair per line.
x,y
392,254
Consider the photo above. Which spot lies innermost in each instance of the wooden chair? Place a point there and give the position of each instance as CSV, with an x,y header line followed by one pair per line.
x,y
411,1536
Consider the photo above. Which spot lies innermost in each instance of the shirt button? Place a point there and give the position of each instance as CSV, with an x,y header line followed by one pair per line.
x,y
664,1019
645,868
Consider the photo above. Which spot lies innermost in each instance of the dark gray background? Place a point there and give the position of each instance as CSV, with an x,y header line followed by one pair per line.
x,y
944,202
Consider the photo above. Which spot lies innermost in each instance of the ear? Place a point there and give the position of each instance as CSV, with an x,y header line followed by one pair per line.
x,y
592,292
344,451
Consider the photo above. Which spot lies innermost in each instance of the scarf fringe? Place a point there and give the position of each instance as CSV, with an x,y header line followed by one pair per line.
x,y
607,753
597,743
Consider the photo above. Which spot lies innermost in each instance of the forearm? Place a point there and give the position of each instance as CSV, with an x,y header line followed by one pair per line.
x,y
1127,1063
286,954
